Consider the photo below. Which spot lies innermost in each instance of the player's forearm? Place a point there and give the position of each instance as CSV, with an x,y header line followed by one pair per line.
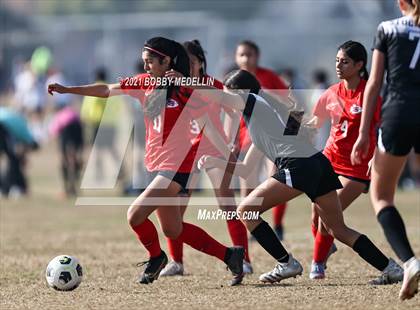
x,y
93,90
217,140
370,100
231,126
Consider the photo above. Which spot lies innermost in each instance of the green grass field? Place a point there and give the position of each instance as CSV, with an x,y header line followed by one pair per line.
x,y
36,229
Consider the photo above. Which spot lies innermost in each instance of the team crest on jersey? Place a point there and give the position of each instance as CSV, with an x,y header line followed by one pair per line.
x,y
355,109
171,103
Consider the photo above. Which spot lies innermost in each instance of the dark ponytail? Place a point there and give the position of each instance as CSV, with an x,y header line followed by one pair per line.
x,y
243,80
161,47
357,52
194,48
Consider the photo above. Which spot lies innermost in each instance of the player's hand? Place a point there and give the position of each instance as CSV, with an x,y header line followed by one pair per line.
x,y
56,88
360,149
173,74
205,162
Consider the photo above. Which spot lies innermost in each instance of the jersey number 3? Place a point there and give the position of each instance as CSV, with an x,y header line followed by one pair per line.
x,y
412,36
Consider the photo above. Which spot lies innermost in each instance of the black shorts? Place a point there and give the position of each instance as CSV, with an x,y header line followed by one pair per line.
x,y
178,177
312,175
71,136
399,139
365,182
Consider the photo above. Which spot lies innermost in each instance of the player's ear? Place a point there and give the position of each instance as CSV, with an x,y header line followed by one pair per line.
x,y
402,4
166,60
359,65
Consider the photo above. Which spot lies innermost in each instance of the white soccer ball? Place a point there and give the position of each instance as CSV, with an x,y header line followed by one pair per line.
x,y
64,273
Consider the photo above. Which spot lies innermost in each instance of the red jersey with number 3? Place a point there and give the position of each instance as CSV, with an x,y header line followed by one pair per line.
x,y
268,80
344,108
213,111
168,145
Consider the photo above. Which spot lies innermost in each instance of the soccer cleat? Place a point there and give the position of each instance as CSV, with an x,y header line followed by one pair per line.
x,y
411,279
237,279
153,268
172,269
283,271
247,268
279,232
317,271
235,260
393,273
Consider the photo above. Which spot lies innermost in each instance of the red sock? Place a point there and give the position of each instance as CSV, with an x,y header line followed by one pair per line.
x,y
278,214
175,247
238,234
322,246
147,234
197,238
314,230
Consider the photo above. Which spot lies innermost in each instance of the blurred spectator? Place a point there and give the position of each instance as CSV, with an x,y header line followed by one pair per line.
x,y
100,118
67,127
15,141
137,183
292,79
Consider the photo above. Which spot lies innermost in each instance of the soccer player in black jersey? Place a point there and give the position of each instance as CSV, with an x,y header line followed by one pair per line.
x,y
301,168
396,51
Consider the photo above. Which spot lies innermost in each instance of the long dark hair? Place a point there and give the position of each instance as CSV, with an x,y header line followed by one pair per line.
x,y
194,48
357,52
244,80
161,47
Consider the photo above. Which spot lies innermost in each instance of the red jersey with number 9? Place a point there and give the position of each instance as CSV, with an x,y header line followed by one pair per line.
x,y
344,108
168,145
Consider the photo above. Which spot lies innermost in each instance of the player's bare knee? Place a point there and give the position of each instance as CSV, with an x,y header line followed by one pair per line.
x,y
172,232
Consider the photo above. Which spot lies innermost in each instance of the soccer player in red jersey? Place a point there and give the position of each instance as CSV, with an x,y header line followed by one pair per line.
x,y
247,56
169,155
224,193
342,104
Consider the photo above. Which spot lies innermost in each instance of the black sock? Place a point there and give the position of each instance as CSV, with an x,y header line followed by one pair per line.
x,y
395,232
370,253
269,241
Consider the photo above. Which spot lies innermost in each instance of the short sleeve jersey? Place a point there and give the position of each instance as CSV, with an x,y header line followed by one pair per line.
x,y
266,127
399,40
344,108
268,80
168,145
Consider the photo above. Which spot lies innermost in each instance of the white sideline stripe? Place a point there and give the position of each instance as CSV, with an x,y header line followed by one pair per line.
x,y
159,201
288,178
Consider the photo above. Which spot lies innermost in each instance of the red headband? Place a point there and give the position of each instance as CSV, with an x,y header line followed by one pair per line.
x,y
155,51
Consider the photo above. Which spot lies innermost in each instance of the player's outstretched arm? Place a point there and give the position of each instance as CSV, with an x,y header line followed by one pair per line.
x,y
242,169
94,90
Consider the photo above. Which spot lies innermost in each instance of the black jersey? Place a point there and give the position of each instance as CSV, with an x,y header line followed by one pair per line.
x,y
271,131
399,40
